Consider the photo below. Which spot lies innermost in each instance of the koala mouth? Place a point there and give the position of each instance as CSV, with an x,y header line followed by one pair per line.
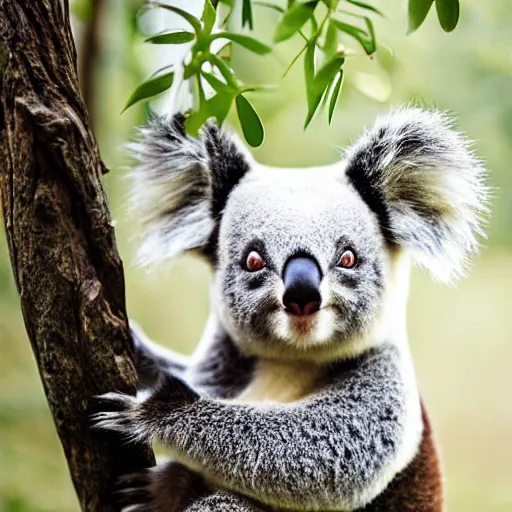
x,y
302,323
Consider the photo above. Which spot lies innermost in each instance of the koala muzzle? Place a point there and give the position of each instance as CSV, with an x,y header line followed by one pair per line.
x,y
302,278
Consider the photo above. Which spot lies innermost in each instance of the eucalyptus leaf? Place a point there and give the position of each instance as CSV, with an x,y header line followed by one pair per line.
x,y
365,39
331,40
418,10
224,69
320,83
150,88
293,20
195,120
179,37
209,16
335,94
252,126
309,72
215,83
247,14
220,105
366,6
254,88
192,20
248,42
269,5
278,8
371,32
448,13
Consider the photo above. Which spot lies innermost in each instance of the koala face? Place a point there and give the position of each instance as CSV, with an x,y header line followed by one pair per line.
x,y
307,261
314,217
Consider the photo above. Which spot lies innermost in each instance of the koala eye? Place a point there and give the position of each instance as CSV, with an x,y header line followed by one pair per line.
x,y
347,260
254,262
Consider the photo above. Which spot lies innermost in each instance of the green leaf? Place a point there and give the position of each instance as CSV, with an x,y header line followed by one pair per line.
x,y
250,121
216,84
255,88
320,83
268,5
335,94
418,10
366,6
247,14
220,105
293,20
331,40
224,69
278,9
246,41
192,20
195,120
365,39
150,88
371,32
180,37
209,16
448,13
309,72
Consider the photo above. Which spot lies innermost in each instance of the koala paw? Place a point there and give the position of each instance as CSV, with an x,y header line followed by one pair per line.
x,y
123,415
167,487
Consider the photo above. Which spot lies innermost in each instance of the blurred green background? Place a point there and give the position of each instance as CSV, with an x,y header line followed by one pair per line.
x,y
461,338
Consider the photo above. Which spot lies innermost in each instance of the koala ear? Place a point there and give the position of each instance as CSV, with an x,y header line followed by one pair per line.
x,y
181,184
426,186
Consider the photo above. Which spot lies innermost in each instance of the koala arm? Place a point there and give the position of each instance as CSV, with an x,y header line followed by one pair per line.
x,y
154,361
335,450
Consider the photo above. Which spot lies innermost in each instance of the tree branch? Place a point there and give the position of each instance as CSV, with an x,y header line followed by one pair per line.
x,y
61,241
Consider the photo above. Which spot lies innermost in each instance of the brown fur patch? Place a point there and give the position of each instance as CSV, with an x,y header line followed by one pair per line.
x,y
419,487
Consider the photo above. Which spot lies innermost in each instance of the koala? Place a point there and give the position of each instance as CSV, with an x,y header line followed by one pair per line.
x,y
302,393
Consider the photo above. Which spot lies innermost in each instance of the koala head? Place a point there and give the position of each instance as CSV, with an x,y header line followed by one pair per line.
x,y
313,262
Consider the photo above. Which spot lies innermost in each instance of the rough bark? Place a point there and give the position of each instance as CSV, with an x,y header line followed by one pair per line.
x,y
61,242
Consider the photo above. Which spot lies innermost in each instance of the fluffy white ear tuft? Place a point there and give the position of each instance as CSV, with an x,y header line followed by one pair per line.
x,y
180,185
426,186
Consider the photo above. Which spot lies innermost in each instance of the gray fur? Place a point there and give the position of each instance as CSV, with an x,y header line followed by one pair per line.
x,y
431,184
222,501
181,184
316,418
250,304
322,453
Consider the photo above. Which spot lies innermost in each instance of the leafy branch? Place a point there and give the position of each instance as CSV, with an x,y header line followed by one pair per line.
x,y
215,87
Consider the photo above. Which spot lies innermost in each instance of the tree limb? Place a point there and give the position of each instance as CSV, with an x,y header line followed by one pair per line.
x,y
61,242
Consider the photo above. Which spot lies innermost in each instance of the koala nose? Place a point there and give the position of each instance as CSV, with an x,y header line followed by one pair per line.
x,y
302,278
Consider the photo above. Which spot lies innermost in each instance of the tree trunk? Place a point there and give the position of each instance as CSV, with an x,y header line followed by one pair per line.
x,y
61,241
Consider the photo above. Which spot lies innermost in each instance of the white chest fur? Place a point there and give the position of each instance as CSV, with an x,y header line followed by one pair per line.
x,y
280,382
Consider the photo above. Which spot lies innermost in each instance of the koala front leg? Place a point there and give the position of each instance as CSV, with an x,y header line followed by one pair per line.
x,y
335,450
152,360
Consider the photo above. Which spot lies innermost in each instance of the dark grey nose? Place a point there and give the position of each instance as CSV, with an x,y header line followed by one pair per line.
x,y
302,278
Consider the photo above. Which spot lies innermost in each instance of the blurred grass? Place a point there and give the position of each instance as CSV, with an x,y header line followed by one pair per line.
x,y
461,338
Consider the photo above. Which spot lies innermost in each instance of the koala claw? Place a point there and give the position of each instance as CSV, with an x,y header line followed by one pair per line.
x,y
125,418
